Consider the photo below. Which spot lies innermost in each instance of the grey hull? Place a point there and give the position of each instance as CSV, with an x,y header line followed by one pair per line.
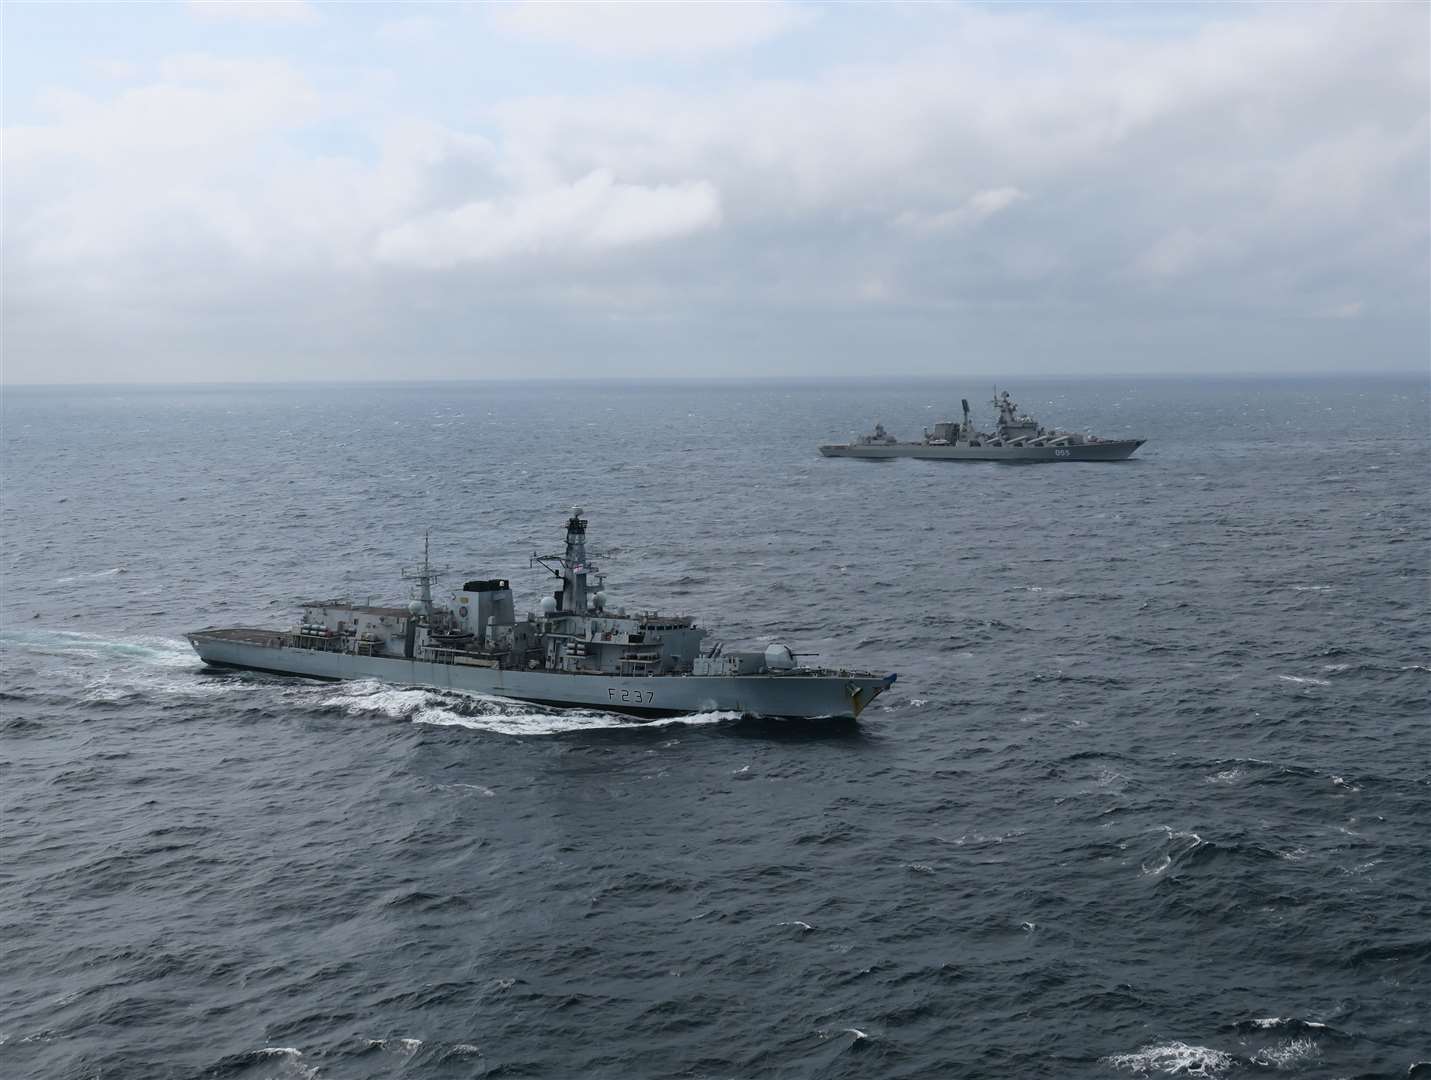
x,y
789,694
1110,450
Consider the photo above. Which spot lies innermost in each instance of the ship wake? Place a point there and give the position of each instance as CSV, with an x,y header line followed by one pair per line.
x,y
484,712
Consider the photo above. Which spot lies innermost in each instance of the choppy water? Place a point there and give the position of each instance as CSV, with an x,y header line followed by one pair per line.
x,y
1152,795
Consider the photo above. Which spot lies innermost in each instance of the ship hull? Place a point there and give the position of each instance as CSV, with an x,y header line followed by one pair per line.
x,y
1110,450
786,695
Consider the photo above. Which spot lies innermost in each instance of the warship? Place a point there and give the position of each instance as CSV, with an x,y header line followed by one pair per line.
x,y
576,652
1017,437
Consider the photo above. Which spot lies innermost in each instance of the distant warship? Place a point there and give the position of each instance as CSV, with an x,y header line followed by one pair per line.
x,y
575,653
1017,437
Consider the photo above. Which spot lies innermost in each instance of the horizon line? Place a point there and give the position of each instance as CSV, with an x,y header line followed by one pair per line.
x,y
707,378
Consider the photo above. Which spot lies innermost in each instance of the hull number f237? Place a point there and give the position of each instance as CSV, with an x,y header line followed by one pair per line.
x,y
633,696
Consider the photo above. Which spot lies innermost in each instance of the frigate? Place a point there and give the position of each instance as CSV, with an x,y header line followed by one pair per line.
x,y
1017,437
576,652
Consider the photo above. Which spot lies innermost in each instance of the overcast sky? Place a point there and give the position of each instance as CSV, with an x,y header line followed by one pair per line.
x,y
276,191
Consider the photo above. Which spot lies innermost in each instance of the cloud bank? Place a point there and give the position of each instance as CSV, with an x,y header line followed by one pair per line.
x,y
998,189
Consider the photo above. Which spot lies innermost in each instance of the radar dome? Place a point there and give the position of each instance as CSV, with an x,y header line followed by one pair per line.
x,y
779,658
599,600
414,607
549,604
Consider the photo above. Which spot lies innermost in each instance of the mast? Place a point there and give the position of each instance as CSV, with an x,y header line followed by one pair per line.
x,y
571,566
574,568
424,575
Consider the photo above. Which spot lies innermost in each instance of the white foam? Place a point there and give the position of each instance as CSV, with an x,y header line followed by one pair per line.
x,y
148,649
1227,776
113,571
1311,588
1286,1053
400,1046
289,1063
981,838
478,788
1175,1058
1280,1021
1179,843
797,922
1304,680
500,716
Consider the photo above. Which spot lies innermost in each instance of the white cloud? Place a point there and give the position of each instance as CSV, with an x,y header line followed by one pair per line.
x,y
594,214
978,208
650,29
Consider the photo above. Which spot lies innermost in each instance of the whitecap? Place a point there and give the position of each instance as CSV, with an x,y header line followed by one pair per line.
x,y
1311,588
1176,1058
1286,1053
1284,1021
401,1046
1179,844
801,923
1305,680
1227,776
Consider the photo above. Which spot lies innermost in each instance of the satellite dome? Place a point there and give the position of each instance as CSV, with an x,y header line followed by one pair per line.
x,y
599,600
779,658
549,604
414,607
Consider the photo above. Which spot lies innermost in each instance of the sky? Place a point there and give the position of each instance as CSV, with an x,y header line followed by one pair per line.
x,y
295,191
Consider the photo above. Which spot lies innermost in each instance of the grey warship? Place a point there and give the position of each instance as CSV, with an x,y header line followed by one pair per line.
x,y
1017,437
575,653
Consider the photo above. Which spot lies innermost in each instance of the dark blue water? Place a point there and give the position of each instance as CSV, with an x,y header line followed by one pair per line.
x,y
1152,794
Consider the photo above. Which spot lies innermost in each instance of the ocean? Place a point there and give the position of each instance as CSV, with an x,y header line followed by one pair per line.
x,y
1151,796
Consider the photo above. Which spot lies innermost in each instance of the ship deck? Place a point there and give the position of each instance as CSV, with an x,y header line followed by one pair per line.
x,y
245,634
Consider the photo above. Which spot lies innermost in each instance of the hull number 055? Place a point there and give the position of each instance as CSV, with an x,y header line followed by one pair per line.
x,y
633,696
